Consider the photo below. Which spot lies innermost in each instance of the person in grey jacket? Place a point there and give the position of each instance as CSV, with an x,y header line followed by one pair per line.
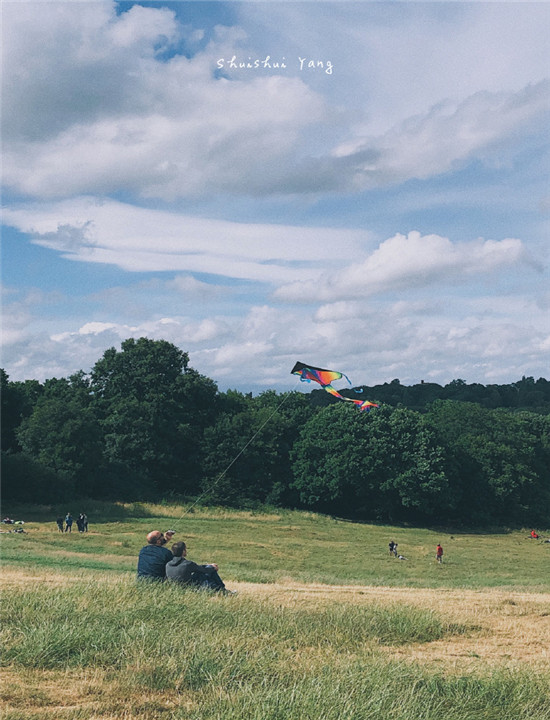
x,y
186,572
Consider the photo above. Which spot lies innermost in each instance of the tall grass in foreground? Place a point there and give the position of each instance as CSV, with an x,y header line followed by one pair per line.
x,y
158,652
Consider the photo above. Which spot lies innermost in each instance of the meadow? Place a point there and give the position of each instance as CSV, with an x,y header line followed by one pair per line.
x,y
325,624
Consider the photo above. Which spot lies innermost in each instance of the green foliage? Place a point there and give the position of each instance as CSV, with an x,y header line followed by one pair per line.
x,y
63,435
385,464
18,399
24,479
499,460
145,425
261,432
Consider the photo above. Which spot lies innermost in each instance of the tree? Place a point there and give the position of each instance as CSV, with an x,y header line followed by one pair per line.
x,y
499,460
246,452
153,409
18,400
383,464
62,434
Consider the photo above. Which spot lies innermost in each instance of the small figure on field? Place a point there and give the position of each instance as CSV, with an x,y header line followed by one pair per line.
x,y
401,557
186,572
59,522
79,523
393,548
85,522
439,553
153,557
534,535
68,522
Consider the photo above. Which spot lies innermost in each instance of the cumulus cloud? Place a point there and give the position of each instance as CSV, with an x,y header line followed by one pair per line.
x,y
109,101
404,262
100,107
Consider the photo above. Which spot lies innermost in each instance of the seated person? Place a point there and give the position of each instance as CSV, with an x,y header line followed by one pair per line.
x,y
187,572
153,557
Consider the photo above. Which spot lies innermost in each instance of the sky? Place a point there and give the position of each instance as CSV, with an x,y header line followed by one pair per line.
x,y
360,186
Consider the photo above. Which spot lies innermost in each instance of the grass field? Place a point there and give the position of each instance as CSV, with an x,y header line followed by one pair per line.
x,y
326,624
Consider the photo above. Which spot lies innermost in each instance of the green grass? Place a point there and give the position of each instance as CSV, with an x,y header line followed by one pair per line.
x,y
247,658
256,547
84,641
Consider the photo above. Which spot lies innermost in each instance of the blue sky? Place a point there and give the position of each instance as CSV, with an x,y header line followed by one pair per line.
x,y
369,193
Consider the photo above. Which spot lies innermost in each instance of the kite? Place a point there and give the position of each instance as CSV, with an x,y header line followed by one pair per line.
x,y
308,373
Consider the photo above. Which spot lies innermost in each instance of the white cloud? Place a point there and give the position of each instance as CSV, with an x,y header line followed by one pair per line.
x,y
139,239
371,341
404,262
90,107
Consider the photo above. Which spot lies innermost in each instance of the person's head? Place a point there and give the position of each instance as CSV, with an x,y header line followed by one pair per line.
x,y
155,537
179,549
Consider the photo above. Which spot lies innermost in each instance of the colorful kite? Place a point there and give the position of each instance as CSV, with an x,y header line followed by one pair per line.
x,y
308,373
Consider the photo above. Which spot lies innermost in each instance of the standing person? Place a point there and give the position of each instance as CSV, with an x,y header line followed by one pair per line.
x,y
439,553
391,545
59,522
79,523
68,522
153,557
85,522
187,572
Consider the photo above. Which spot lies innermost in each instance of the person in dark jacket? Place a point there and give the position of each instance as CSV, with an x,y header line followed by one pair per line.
x,y
59,522
153,557
186,572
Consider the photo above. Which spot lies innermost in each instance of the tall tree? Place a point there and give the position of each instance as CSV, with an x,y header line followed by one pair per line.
x,y
153,409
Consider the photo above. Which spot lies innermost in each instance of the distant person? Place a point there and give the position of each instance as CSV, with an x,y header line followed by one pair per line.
x,y
59,522
79,523
439,553
68,523
391,546
186,572
534,535
153,557
85,522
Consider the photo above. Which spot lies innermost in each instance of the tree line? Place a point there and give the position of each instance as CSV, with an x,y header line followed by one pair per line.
x,y
143,424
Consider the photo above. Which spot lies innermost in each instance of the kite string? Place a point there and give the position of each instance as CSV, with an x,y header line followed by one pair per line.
x,y
237,456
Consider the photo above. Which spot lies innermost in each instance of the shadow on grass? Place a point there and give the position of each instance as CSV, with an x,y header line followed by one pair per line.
x,y
101,511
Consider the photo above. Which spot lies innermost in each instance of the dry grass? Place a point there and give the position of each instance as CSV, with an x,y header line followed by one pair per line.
x,y
93,694
514,627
